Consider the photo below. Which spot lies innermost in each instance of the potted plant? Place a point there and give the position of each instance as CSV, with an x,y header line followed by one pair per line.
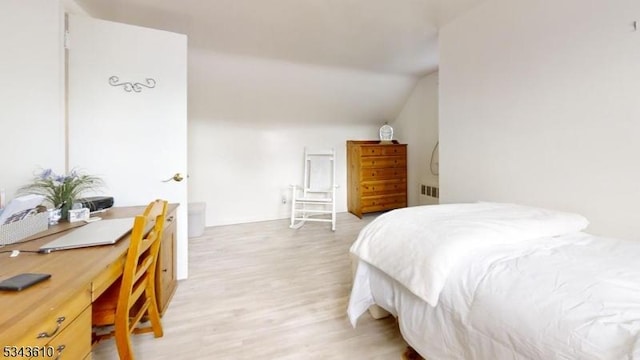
x,y
62,190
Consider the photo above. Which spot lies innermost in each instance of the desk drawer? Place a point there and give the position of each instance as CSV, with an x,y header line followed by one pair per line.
x,y
57,321
75,341
107,277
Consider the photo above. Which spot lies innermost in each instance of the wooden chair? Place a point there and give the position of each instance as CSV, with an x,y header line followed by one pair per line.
x,y
131,297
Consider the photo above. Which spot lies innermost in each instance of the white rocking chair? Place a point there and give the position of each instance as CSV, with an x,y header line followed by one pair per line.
x,y
317,197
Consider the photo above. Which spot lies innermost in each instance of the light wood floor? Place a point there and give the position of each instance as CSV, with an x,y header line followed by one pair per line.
x,y
264,291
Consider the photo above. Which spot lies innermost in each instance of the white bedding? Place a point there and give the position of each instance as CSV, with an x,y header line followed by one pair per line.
x,y
435,239
574,296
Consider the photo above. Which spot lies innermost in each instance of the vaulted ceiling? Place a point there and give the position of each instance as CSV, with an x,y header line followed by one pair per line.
x,y
389,36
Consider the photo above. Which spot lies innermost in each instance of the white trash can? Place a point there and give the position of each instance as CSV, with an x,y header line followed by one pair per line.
x,y
196,216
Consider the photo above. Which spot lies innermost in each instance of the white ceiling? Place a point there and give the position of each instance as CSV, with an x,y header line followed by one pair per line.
x,y
390,36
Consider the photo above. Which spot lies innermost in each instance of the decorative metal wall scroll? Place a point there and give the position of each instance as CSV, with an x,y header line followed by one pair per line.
x,y
129,86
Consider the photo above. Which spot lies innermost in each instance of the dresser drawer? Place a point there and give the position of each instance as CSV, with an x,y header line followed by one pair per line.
x,y
382,187
383,150
57,321
384,162
382,174
383,202
75,341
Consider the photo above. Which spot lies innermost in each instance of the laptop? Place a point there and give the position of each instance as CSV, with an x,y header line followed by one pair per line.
x,y
102,232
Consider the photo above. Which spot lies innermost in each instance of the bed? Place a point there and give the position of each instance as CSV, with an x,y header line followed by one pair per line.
x,y
500,281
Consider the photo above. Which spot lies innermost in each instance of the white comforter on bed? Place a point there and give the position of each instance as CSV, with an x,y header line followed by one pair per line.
x,y
574,296
435,239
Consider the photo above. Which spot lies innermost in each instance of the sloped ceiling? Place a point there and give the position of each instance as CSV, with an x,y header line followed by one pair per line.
x,y
387,36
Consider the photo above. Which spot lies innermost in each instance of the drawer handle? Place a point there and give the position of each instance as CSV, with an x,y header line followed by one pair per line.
x,y
59,322
60,350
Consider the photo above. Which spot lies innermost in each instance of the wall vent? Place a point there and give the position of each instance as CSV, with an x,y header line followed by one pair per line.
x,y
431,191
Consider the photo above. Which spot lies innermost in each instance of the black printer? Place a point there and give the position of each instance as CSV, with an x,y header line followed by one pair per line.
x,y
96,203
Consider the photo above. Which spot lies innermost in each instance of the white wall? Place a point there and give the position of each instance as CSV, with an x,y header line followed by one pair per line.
x,y
417,126
31,95
250,119
539,104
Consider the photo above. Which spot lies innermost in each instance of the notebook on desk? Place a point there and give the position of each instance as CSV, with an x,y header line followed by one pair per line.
x,y
103,232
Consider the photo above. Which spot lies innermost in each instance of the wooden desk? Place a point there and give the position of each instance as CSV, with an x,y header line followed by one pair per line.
x,y
61,306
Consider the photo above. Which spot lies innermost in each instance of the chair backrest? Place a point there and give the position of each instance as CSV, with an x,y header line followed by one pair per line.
x,y
140,265
319,170
157,210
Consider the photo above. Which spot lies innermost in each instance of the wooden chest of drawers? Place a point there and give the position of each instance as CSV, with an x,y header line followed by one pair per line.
x,y
376,176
